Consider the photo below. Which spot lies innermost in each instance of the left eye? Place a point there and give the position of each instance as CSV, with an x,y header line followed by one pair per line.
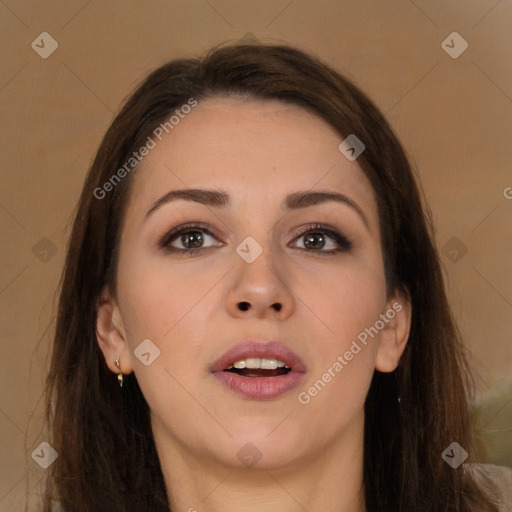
x,y
317,237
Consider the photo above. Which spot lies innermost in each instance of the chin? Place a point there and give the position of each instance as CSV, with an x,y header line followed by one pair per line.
x,y
263,448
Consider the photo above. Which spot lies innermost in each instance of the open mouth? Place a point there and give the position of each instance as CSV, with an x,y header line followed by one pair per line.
x,y
259,371
259,367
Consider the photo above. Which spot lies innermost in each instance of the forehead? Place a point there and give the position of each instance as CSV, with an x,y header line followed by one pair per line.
x,y
259,151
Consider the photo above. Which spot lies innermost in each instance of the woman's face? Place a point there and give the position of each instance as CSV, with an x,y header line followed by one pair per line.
x,y
263,270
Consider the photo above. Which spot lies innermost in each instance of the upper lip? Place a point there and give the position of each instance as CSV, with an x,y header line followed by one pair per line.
x,y
270,350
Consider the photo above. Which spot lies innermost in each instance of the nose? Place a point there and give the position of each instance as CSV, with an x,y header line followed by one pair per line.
x,y
259,289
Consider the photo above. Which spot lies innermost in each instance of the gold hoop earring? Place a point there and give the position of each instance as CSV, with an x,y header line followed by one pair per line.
x,y
120,374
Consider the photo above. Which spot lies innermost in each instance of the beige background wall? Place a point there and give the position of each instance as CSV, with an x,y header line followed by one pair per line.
x,y
453,115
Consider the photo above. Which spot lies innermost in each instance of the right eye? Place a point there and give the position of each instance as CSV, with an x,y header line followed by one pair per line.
x,y
187,239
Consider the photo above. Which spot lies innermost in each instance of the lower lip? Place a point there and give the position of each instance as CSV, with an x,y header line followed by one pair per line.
x,y
259,388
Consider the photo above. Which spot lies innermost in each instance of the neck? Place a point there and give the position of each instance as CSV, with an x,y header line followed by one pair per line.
x,y
330,478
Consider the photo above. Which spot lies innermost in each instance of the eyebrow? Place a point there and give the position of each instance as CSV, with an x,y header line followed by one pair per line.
x,y
220,199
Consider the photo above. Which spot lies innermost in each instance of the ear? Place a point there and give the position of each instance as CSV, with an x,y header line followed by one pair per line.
x,y
395,334
111,334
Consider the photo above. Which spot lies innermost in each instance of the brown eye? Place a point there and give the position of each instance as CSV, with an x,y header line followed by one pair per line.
x,y
187,239
319,236
191,239
314,240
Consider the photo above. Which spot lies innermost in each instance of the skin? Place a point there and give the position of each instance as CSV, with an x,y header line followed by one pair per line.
x,y
258,152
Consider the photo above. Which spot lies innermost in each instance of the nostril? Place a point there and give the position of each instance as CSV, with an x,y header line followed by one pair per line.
x,y
244,306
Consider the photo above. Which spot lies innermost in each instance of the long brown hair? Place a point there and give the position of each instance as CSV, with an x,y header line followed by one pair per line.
x,y
107,457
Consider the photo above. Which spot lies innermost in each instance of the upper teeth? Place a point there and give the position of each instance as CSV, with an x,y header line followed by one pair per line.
x,y
255,362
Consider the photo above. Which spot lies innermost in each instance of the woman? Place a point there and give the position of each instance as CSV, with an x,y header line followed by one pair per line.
x,y
252,314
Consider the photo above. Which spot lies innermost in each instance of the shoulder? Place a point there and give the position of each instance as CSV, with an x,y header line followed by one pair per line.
x,y
497,480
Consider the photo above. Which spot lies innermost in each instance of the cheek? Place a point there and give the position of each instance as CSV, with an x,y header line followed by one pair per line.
x,y
345,299
347,305
333,398
167,307
159,299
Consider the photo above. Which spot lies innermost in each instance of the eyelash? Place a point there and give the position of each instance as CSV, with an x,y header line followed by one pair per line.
x,y
164,243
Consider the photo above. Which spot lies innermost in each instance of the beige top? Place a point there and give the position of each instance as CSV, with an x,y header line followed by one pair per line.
x,y
501,477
